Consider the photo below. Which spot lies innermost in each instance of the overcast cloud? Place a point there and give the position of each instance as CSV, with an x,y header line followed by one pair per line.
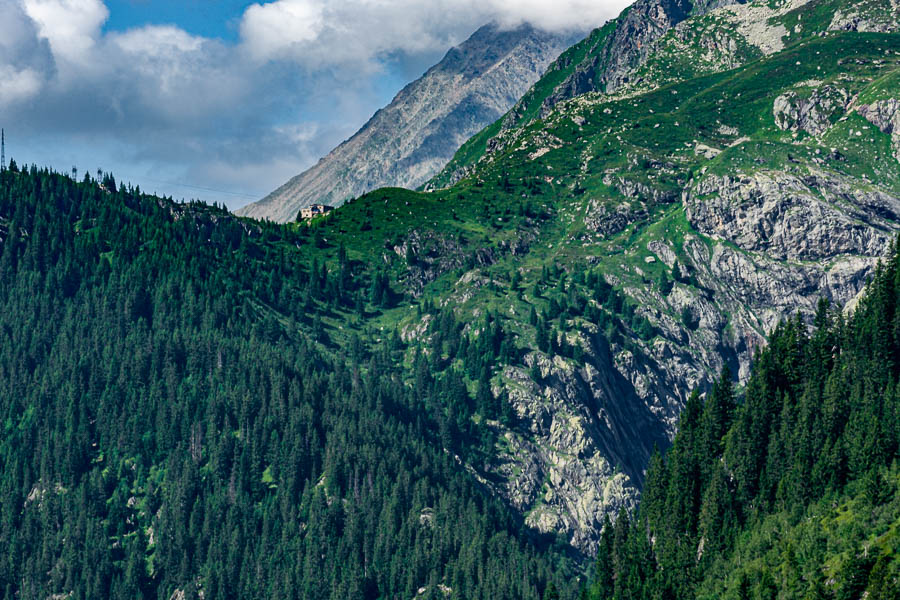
x,y
167,109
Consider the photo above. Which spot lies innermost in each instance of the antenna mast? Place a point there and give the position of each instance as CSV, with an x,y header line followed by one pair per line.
x,y
2,150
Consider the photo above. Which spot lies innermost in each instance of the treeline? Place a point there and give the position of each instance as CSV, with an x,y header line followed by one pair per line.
x,y
818,429
172,420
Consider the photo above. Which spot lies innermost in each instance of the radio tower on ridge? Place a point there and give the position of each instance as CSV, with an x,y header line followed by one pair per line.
x,y
2,150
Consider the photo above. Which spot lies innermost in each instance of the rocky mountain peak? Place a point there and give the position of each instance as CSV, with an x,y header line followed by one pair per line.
x,y
608,66
407,142
725,173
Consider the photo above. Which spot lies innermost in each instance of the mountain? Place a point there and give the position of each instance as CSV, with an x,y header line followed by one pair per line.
x,y
468,391
600,63
411,139
740,176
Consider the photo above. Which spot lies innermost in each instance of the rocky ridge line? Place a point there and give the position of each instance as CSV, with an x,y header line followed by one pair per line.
x,y
412,138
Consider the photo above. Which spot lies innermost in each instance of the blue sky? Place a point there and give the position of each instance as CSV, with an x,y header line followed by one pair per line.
x,y
218,99
208,18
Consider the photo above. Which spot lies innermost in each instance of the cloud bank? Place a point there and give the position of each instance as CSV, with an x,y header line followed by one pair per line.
x,y
159,104
357,32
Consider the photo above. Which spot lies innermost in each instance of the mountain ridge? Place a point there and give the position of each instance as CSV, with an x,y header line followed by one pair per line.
x,y
603,62
700,185
406,142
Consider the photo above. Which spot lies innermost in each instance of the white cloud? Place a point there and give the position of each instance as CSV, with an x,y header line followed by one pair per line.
x,y
16,29
157,41
360,32
18,85
274,29
70,26
172,72
319,33
557,15
298,134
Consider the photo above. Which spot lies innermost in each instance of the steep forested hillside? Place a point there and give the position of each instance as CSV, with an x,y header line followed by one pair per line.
x,y
181,413
177,417
793,492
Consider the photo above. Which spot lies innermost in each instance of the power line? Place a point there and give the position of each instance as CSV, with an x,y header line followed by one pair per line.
x,y
252,196
205,189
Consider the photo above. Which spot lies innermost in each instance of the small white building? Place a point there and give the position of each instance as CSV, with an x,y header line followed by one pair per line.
x,y
314,210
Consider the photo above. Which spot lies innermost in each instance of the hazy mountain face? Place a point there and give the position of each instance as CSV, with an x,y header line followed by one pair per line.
x,y
411,139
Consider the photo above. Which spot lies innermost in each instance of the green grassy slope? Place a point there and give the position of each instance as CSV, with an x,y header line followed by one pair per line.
x,y
703,45
594,152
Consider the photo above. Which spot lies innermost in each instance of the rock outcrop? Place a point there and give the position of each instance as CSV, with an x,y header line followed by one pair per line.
x,y
584,437
885,115
792,219
860,17
814,113
609,66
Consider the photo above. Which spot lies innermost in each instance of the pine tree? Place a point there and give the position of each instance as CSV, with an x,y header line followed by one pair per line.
x,y
718,413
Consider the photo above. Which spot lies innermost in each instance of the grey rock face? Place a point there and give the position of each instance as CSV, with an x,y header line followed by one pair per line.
x,y
407,142
790,240
814,114
608,220
779,245
578,452
610,66
430,254
788,218
885,115
762,245
852,18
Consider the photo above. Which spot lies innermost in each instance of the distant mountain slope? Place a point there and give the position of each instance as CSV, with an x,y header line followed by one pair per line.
x,y
407,142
